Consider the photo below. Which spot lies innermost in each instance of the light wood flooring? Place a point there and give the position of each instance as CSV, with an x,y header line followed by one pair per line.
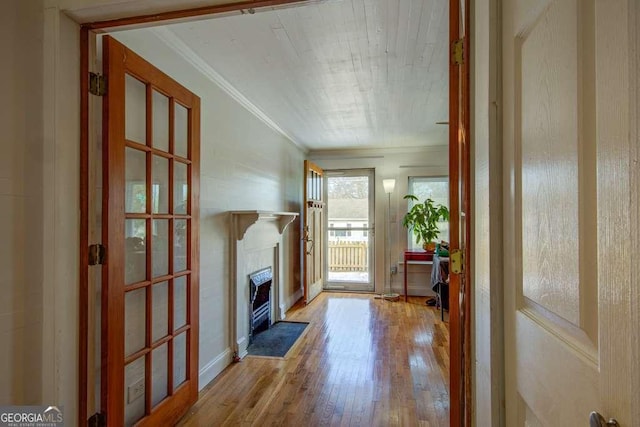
x,y
360,362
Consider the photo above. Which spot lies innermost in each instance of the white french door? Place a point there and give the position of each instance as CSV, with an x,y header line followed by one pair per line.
x,y
349,230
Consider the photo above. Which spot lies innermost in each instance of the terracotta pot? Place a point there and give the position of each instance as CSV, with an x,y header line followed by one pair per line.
x,y
429,247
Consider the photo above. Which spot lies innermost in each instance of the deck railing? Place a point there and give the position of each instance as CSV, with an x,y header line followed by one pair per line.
x,y
348,256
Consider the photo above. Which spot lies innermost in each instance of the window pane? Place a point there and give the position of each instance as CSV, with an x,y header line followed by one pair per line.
x,y
179,359
437,189
135,253
160,310
159,374
160,121
160,254
348,213
181,130
135,320
160,185
135,109
136,181
179,302
134,402
180,188
180,245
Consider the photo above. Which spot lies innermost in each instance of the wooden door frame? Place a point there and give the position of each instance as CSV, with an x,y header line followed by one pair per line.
x,y
460,389
150,20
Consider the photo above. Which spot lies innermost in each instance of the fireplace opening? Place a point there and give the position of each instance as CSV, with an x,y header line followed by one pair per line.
x,y
260,301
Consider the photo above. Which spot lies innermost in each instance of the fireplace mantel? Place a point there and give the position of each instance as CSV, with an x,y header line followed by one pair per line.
x,y
256,242
242,220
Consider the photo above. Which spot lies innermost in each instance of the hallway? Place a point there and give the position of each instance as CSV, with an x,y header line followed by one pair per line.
x,y
361,362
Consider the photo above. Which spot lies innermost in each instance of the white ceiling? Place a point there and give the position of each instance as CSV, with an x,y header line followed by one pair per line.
x,y
335,74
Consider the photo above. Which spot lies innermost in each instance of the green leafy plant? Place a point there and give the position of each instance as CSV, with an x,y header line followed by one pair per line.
x,y
422,219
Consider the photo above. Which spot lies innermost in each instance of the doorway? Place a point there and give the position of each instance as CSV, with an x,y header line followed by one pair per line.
x,y
350,230
369,224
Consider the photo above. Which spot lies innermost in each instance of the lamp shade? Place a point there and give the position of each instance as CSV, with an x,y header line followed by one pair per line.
x,y
389,185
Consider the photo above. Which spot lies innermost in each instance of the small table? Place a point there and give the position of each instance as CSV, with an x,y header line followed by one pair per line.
x,y
440,282
415,257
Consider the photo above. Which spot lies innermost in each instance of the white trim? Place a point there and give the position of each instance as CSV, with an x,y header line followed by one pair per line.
x,y
379,153
51,53
177,45
289,302
213,368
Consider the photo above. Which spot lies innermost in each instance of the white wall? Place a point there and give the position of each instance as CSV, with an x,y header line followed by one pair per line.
x,y
487,209
244,165
398,164
21,202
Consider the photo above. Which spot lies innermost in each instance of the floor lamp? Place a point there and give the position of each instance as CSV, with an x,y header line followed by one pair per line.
x,y
389,185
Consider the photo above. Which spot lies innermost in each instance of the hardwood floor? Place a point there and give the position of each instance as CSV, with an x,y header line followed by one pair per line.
x,y
361,362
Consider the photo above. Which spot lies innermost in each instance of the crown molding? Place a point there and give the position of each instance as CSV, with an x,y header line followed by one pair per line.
x,y
178,46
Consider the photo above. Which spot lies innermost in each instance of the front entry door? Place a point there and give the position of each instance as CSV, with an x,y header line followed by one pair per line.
x,y
571,227
149,342
313,231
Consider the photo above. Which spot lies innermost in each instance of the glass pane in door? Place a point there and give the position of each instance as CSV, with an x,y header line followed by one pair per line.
x,y
179,359
349,229
135,109
135,181
160,310
134,401
135,251
180,188
159,374
179,302
160,245
135,320
160,185
180,245
181,130
160,121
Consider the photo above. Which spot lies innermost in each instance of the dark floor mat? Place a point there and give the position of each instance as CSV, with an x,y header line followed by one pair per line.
x,y
276,340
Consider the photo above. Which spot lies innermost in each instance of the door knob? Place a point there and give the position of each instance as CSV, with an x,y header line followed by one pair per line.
x,y
597,420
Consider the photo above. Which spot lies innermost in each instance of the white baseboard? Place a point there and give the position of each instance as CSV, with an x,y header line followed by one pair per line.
x,y
293,299
288,303
213,368
242,343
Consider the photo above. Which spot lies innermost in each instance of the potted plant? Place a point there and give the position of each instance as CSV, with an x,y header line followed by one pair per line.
x,y
423,219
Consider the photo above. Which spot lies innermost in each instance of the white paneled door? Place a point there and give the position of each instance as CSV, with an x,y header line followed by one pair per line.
x,y
569,230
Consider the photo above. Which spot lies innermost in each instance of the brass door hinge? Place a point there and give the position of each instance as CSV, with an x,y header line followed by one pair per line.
x,y
96,254
97,84
457,260
457,52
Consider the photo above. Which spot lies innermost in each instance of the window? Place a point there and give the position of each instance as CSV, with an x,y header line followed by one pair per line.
x,y
436,188
348,231
365,232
